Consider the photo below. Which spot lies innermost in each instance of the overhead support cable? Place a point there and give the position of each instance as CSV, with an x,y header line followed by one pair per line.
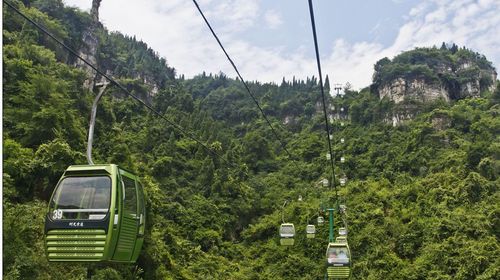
x,y
327,127
243,81
115,83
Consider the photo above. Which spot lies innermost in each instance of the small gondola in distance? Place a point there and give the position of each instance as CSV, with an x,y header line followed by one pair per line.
x,y
287,234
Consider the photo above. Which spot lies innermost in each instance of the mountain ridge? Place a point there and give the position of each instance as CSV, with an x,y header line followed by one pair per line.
x,y
421,196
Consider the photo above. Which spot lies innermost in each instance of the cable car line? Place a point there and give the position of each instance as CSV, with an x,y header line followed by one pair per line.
x,y
243,81
338,257
115,83
327,127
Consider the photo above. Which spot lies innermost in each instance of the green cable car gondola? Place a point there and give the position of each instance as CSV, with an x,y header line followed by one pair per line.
x,y
287,233
338,260
310,231
96,214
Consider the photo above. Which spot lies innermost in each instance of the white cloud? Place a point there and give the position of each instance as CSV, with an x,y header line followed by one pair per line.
x,y
232,15
353,63
466,23
175,29
273,19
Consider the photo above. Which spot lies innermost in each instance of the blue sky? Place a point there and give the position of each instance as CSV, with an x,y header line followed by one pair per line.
x,y
272,39
354,20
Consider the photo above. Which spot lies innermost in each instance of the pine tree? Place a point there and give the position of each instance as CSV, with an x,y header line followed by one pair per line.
x,y
443,46
327,84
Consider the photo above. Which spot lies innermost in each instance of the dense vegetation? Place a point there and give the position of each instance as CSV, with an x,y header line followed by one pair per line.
x,y
422,197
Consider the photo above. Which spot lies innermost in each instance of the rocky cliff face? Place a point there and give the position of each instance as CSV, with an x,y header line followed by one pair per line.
x,y
416,89
428,74
121,57
88,51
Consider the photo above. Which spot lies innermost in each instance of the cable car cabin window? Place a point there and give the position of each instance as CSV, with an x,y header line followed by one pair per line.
x,y
337,255
82,198
310,229
130,202
287,230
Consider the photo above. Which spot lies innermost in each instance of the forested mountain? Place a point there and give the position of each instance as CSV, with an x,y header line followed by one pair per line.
x,y
422,196
432,73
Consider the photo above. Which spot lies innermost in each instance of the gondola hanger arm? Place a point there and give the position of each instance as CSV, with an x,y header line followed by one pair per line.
x,y
102,89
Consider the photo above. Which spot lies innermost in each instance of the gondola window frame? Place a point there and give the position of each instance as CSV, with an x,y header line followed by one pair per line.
x,y
57,196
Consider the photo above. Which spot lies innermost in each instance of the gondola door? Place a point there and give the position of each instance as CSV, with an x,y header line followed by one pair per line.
x,y
129,222
142,221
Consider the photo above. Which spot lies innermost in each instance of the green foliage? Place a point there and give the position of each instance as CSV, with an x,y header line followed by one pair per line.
x,y
422,197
